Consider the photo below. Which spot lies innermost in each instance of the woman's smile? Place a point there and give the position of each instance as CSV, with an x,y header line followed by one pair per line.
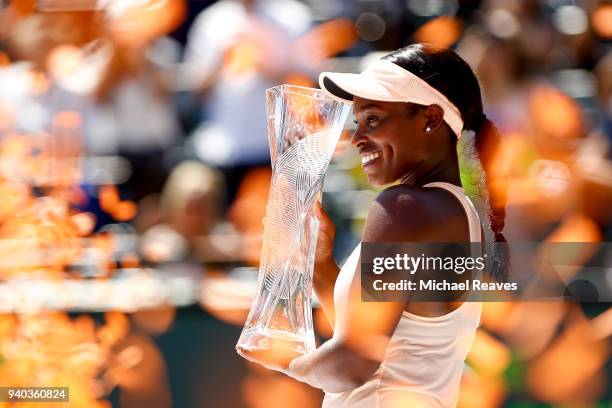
x,y
370,158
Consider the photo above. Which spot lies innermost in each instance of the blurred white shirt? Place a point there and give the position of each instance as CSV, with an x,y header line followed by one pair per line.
x,y
251,48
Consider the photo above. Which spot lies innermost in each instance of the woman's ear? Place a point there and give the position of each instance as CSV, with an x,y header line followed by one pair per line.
x,y
435,117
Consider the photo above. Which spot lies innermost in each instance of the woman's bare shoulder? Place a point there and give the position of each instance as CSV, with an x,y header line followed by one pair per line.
x,y
402,214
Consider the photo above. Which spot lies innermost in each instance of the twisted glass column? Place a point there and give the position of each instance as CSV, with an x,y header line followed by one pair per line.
x,y
304,126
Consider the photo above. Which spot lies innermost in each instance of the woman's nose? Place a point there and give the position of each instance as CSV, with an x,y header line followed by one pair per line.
x,y
358,138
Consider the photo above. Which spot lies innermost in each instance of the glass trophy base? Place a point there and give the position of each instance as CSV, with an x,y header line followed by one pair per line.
x,y
256,340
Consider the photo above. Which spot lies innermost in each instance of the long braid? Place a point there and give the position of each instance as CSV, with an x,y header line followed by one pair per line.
x,y
487,139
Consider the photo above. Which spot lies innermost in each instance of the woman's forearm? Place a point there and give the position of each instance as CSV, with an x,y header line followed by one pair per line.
x,y
332,367
324,280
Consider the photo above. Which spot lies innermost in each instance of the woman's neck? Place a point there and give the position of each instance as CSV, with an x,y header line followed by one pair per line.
x,y
446,172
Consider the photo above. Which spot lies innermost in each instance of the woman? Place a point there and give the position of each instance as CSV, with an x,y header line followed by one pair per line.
x,y
410,107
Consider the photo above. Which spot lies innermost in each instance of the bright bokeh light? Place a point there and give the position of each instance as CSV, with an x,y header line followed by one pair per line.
x,y
571,20
602,20
442,31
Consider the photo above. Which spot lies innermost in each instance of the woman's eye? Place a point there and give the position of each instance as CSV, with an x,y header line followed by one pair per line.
x,y
373,120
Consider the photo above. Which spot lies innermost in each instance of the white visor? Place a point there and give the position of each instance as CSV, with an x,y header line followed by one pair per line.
x,y
388,82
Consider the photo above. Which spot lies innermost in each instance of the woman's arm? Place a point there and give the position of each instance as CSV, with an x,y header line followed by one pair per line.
x,y
351,357
325,267
333,367
324,281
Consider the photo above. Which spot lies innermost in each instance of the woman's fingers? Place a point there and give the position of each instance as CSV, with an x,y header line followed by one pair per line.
x,y
321,208
326,223
325,239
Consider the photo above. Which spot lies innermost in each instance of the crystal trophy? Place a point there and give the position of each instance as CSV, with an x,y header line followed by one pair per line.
x,y
304,126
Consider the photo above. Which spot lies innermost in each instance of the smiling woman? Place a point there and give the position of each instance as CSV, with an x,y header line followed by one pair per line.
x,y
381,140
410,109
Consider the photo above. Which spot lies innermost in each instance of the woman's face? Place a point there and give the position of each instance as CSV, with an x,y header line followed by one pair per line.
x,y
391,139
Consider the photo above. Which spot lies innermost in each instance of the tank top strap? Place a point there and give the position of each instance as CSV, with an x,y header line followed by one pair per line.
x,y
468,206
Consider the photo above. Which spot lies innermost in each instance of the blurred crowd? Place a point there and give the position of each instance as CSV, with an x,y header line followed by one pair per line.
x,y
146,120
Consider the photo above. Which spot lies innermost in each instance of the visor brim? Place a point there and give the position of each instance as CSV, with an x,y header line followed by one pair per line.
x,y
345,86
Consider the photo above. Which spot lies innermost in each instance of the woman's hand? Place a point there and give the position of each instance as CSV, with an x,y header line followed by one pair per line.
x,y
325,239
325,267
276,359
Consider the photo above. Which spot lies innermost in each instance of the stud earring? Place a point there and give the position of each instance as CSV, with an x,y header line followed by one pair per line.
x,y
427,129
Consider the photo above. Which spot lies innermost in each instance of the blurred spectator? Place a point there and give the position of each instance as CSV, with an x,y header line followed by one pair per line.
x,y
112,79
236,50
132,115
191,223
132,99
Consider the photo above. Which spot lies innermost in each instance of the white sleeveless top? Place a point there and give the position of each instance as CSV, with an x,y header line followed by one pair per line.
x,y
425,357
